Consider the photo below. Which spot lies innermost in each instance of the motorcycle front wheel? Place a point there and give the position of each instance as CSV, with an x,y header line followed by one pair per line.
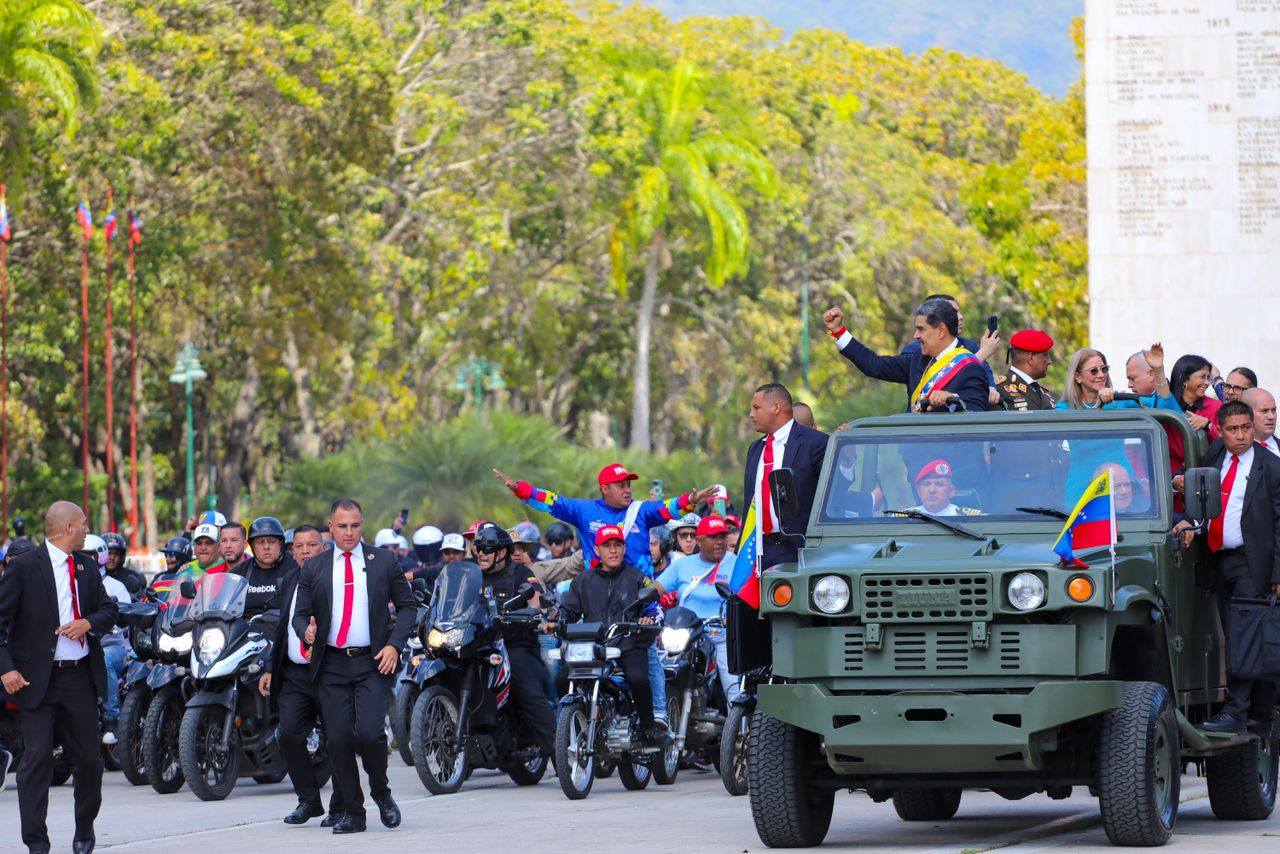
x,y
401,715
733,749
575,759
529,772
160,734
133,710
211,772
441,762
666,764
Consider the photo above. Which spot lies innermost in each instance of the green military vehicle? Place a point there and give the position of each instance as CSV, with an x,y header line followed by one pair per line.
x,y
945,647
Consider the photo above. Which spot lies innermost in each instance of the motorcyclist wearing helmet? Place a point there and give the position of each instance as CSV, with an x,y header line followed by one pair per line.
x,y
660,549
504,579
118,568
561,540
268,566
17,546
684,535
177,553
427,542
114,648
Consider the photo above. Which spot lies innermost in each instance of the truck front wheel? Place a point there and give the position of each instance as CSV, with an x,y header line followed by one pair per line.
x,y
1139,767
1242,782
926,804
788,811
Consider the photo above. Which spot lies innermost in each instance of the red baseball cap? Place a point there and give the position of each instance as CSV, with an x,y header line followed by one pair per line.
x,y
734,520
609,532
712,526
615,473
470,533
935,468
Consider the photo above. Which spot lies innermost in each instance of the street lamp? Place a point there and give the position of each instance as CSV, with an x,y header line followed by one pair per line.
x,y
478,375
187,370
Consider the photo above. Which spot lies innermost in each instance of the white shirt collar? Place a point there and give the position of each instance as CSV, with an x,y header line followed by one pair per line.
x,y
1026,379
955,343
783,433
56,555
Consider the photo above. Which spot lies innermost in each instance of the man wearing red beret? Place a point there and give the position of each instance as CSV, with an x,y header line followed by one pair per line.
x,y
1029,362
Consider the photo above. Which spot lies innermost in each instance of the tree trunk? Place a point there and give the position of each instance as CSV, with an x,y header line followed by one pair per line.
x,y
640,438
149,522
242,434
308,438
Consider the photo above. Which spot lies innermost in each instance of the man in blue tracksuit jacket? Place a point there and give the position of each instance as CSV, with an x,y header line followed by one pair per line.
x,y
615,506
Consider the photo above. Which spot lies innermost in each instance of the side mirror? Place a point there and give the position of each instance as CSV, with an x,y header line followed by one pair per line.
x,y
1202,489
782,486
647,596
724,590
187,589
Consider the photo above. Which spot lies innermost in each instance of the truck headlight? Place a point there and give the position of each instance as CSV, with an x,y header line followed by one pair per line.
x,y
212,642
1026,591
675,640
831,594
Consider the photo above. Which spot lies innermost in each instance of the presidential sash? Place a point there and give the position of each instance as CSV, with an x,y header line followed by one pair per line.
x,y
942,371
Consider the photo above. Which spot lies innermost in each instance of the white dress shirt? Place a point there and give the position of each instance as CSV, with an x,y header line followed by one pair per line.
x,y
66,649
292,639
358,632
1232,536
1271,445
780,437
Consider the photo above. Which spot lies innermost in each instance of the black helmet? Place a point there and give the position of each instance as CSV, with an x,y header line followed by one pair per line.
x,y
179,547
19,546
115,542
558,532
490,538
265,526
663,535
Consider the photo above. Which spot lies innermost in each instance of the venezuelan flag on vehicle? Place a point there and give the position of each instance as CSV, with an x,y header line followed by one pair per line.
x,y
745,580
1091,525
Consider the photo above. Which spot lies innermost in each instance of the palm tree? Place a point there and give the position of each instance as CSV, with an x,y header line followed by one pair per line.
x,y
681,160
47,49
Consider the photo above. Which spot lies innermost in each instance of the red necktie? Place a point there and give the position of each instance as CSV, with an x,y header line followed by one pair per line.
x,y
1215,527
348,598
766,508
75,598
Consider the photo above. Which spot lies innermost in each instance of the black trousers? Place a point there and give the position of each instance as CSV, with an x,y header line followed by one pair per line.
x,y
529,690
635,670
1246,698
299,703
353,703
69,713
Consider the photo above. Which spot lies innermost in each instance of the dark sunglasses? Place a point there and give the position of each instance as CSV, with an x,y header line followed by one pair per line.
x,y
685,535
1093,372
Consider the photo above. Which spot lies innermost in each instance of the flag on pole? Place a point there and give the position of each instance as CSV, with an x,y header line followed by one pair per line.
x,y
745,580
85,218
1091,524
135,229
109,226
6,233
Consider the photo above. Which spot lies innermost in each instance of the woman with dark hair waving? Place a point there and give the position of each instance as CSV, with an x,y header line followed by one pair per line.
x,y
1189,382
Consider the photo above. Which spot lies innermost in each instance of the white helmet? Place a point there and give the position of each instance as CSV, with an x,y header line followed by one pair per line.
x,y
98,546
400,542
384,538
427,535
688,520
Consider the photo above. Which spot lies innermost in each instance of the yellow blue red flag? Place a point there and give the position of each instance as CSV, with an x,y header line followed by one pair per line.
x,y
1091,524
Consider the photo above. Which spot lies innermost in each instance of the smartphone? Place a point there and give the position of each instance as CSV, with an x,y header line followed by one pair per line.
x,y
992,322
655,489
404,516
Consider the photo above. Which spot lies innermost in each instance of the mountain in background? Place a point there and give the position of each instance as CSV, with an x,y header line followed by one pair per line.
x,y
1032,36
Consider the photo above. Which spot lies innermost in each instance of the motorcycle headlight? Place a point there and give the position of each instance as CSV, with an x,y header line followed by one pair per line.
x,y
212,642
1026,591
831,594
181,644
451,639
580,653
675,640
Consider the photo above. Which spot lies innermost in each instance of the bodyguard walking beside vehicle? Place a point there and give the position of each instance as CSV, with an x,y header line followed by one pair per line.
x,y
355,648
50,592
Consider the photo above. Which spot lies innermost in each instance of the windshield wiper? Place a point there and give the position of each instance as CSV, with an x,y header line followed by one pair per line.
x,y
1042,511
937,520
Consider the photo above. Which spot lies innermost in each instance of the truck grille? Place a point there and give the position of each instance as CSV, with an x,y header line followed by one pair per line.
x,y
932,650
926,598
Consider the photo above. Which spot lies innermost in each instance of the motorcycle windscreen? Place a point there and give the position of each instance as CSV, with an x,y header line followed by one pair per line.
x,y
220,596
680,618
175,609
458,595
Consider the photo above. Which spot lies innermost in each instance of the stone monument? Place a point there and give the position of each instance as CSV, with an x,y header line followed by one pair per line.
x,y
1183,117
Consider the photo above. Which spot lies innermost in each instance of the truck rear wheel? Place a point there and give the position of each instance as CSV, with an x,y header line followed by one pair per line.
x,y
926,804
1242,783
1139,767
788,811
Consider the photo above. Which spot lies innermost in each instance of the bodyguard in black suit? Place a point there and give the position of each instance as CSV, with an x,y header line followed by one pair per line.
x,y
936,328
1245,541
355,647
52,668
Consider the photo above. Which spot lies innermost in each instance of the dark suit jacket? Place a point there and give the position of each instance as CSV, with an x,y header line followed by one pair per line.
x,y
387,586
913,349
1260,518
970,384
279,650
29,615
804,453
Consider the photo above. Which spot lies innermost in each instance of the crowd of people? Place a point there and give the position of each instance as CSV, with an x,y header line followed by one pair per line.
x,y
347,607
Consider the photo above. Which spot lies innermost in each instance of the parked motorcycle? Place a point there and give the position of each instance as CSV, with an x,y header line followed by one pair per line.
x,y
596,720
139,620
463,718
696,703
408,687
161,727
737,725
228,729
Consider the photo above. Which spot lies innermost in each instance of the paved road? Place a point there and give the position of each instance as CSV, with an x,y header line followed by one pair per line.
x,y
491,814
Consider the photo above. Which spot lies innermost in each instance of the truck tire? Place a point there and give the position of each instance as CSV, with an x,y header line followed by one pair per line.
x,y
926,804
788,812
1242,783
1139,767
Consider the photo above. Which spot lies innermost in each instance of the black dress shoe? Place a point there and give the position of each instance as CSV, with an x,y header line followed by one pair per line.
x,y
387,810
303,813
332,818
1224,722
349,824
82,846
